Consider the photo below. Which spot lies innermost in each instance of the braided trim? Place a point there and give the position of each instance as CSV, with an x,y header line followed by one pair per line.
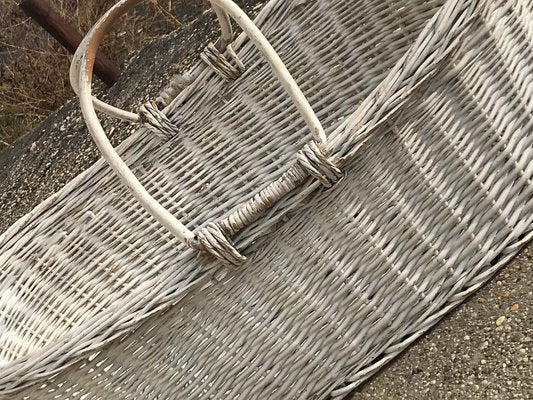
x,y
173,89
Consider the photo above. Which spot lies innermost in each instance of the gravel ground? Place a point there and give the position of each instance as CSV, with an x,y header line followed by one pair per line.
x,y
481,351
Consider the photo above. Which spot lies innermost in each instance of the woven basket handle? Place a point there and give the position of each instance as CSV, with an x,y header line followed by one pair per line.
x,y
105,22
81,80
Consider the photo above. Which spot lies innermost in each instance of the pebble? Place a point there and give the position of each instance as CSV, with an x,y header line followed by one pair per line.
x,y
515,307
500,320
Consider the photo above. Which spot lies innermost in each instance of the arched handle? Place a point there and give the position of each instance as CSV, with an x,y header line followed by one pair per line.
x,y
81,79
111,16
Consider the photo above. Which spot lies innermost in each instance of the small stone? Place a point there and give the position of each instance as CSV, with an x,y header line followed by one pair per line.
x,y
500,320
522,351
505,294
515,307
33,147
466,337
484,382
483,361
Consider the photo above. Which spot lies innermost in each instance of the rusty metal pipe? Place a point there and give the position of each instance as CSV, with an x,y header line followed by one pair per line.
x,y
65,33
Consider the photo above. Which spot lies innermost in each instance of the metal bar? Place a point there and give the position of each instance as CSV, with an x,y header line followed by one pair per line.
x,y
61,30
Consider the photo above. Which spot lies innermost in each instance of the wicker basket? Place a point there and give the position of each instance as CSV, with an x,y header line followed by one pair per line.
x,y
291,213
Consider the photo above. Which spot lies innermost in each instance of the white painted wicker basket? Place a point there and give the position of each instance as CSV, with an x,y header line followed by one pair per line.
x,y
299,211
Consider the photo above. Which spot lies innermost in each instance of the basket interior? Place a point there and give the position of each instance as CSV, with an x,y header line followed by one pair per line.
x,y
92,252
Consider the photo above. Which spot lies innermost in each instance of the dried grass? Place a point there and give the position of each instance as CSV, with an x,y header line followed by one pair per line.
x,y
34,67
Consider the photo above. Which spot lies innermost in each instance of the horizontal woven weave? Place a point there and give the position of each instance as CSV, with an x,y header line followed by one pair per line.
x,y
428,107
